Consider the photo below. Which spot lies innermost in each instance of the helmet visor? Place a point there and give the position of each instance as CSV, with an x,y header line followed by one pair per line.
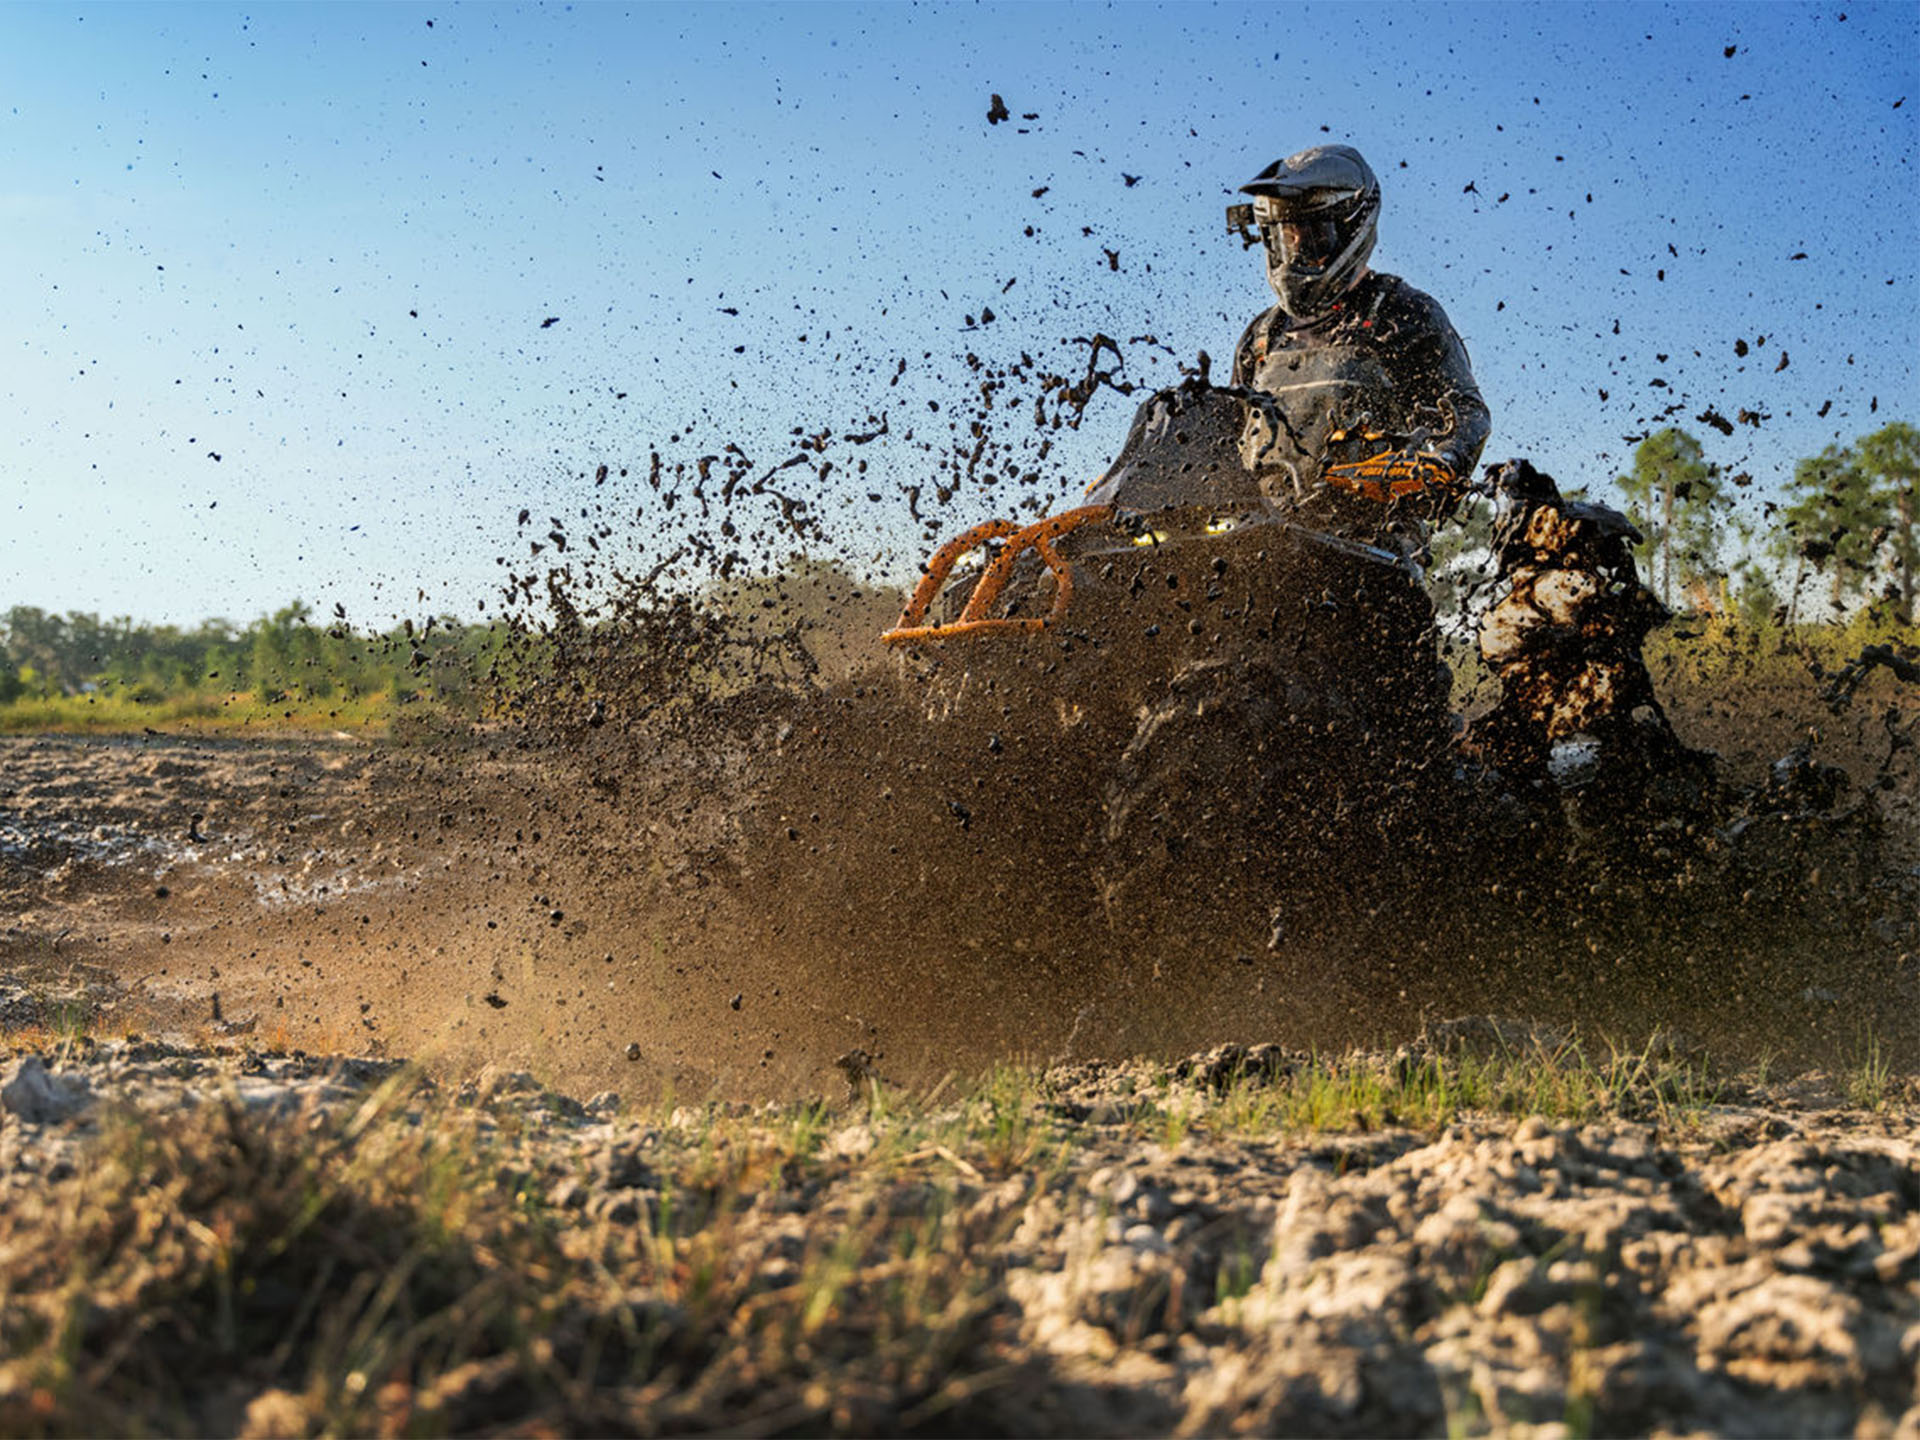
x,y
1301,239
1310,241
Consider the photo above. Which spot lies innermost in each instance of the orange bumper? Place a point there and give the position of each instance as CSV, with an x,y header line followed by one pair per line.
x,y
977,617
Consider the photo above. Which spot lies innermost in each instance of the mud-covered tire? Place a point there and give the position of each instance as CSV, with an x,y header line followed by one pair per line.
x,y
1227,770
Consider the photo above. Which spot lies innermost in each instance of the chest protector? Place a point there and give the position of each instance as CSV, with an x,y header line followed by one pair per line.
x,y
1321,405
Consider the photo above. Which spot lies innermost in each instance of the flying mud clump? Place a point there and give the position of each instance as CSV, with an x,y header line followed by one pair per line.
x,y
1167,764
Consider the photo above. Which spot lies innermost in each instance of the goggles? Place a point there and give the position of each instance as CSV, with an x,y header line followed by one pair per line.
x,y
1309,239
1314,240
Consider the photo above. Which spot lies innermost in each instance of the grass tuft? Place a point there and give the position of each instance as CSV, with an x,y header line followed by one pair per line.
x,y
1869,1079
1427,1089
409,1266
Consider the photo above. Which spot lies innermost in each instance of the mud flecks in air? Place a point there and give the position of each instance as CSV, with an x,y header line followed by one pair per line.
x,y
1002,844
1206,803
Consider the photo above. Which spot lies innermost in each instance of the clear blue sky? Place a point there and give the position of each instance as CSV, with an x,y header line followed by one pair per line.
x,y
319,242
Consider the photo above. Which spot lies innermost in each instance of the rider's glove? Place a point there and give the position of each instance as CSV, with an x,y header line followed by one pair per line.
x,y
1394,474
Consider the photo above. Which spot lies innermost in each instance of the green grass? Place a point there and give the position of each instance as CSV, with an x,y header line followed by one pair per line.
x,y
193,714
1869,1080
1567,1081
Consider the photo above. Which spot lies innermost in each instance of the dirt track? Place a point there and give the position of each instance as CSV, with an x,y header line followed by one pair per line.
x,y
339,897
467,904
1747,1267
479,902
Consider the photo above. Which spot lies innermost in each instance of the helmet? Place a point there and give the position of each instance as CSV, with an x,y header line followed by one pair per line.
x,y
1318,213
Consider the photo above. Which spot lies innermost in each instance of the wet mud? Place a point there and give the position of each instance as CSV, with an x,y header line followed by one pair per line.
x,y
1214,798
729,907
716,836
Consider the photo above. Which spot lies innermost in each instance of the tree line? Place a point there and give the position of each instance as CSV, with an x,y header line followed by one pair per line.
x,y
812,617
282,656
1841,539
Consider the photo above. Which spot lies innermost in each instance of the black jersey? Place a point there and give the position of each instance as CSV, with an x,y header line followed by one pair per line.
x,y
1383,366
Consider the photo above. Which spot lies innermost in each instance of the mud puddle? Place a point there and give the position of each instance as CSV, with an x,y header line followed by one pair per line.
x,y
334,897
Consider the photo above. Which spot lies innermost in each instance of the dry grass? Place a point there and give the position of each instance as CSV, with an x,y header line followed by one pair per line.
x,y
406,1264
406,1271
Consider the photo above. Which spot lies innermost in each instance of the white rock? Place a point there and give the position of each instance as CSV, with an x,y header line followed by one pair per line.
x,y
854,1142
39,1097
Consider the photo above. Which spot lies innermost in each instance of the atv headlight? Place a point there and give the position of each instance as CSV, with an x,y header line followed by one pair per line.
x,y
1223,524
1151,537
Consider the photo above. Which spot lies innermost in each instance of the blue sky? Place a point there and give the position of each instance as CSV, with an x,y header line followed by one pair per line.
x,y
319,243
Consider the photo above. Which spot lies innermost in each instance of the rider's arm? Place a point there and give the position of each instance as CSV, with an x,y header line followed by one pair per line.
x,y
1433,364
1444,420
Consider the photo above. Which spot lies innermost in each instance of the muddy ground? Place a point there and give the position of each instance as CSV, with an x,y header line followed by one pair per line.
x,y
349,897
479,901
215,913
724,910
474,902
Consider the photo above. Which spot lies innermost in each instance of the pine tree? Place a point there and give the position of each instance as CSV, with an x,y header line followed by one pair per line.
x,y
1676,499
1890,459
1833,522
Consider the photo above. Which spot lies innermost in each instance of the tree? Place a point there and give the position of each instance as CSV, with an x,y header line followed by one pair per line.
x,y
40,646
1890,460
1833,522
1676,498
1753,590
280,643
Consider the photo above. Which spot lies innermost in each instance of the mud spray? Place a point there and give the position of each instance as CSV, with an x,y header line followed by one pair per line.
x,y
750,843
715,838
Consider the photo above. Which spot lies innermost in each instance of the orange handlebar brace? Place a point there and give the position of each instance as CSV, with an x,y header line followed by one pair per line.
x,y
974,618
1391,475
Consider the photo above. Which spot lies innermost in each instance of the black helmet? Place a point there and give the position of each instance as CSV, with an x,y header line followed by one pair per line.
x,y
1319,213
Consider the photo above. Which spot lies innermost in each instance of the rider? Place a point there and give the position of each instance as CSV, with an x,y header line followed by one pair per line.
x,y
1358,366
1365,422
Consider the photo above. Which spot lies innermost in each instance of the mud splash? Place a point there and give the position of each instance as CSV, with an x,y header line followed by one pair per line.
x,y
717,840
799,824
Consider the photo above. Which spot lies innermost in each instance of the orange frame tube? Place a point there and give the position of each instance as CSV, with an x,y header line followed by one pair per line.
x,y
1390,475
974,618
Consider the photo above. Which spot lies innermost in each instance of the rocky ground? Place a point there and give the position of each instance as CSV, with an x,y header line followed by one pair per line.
x,y
1250,1241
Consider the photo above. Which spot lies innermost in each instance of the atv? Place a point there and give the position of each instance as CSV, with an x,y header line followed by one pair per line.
x,y
1191,707
1178,562
1239,675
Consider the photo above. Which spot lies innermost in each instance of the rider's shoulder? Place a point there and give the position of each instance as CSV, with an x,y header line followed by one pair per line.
x,y
1389,295
1254,342
1271,318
